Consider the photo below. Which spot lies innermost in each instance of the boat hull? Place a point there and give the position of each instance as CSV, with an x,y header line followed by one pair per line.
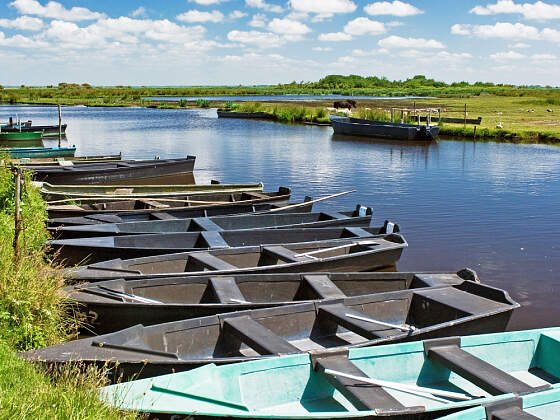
x,y
383,130
40,152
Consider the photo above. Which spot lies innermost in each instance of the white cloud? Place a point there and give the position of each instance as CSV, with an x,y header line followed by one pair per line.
x,y
461,29
537,11
20,41
323,7
363,53
520,45
55,10
506,56
258,21
322,49
452,57
288,27
394,24
544,57
394,41
237,14
506,30
261,4
24,23
335,37
207,2
396,8
198,16
362,25
140,12
260,39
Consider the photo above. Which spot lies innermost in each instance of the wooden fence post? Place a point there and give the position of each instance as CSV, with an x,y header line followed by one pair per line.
x,y
17,215
465,123
59,126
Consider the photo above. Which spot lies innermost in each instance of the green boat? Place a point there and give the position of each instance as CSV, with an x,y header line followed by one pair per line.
x,y
21,138
543,405
422,379
90,194
25,154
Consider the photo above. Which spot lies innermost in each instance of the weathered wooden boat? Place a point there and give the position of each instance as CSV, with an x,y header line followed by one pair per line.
x,y
20,153
62,161
93,194
21,139
360,217
349,254
27,126
118,172
232,114
416,380
145,207
207,211
382,129
113,305
97,249
381,318
543,405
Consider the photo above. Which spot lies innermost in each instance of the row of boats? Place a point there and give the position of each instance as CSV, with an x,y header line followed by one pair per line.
x,y
227,301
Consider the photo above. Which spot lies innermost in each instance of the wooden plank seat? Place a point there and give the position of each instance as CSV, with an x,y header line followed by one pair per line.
x,y
510,409
254,194
362,396
355,232
163,216
469,303
153,204
279,253
207,260
213,239
256,336
226,290
447,352
323,287
206,224
337,314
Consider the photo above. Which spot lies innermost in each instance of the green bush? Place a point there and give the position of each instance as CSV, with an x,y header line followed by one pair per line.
x,y
203,103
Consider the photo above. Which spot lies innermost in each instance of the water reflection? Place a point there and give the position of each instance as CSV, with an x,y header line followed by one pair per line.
x,y
488,206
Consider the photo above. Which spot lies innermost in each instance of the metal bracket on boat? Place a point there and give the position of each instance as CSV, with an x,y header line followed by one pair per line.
x,y
441,342
510,409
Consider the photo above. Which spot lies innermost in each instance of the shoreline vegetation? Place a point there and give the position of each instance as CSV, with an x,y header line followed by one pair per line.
x,y
509,113
33,313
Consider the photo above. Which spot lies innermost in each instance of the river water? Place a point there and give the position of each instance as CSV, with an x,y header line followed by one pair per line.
x,y
492,207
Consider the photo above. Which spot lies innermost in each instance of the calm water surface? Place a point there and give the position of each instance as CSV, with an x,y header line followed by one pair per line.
x,y
272,98
491,207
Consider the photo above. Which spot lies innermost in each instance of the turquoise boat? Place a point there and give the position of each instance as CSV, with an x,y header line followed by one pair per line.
x,y
543,405
39,152
422,379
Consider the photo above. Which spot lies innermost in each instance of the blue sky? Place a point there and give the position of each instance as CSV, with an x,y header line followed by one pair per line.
x,y
190,42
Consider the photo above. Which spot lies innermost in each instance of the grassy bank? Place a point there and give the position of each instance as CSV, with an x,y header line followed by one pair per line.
x,y
34,314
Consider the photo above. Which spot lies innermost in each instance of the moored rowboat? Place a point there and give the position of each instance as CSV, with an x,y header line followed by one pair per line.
x,y
61,161
92,250
24,154
382,129
400,381
381,318
113,305
361,217
349,254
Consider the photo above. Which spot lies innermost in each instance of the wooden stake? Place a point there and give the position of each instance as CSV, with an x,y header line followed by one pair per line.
x,y
465,124
59,126
17,215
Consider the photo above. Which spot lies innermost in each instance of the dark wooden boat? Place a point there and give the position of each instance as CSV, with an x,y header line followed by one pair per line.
x,y
61,161
360,217
391,317
145,207
182,213
97,249
48,130
349,254
382,129
154,171
232,114
113,305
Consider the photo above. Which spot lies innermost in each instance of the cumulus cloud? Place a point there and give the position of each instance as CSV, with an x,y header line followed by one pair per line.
x,y
506,56
537,11
323,8
20,41
261,4
396,8
394,41
24,23
140,12
506,30
322,49
288,27
237,14
259,39
335,36
258,21
55,10
362,26
198,16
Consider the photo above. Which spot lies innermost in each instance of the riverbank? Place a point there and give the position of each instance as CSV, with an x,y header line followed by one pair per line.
x,y
33,314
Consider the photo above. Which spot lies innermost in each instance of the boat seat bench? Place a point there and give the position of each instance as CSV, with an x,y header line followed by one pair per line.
x,y
447,352
281,253
337,313
332,215
210,261
257,336
225,289
153,204
213,239
323,287
465,302
362,396
206,224
511,409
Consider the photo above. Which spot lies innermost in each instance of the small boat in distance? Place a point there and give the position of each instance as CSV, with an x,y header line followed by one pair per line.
x,y
413,380
27,126
21,139
383,129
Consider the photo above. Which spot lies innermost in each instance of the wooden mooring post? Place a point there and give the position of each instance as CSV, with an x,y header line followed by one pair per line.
x,y
59,126
17,215
465,123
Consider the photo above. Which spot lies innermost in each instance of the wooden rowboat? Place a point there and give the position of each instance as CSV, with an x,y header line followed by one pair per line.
x,y
349,254
92,250
61,161
360,321
147,206
127,172
24,154
417,380
382,129
93,194
113,305
361,217
21,139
